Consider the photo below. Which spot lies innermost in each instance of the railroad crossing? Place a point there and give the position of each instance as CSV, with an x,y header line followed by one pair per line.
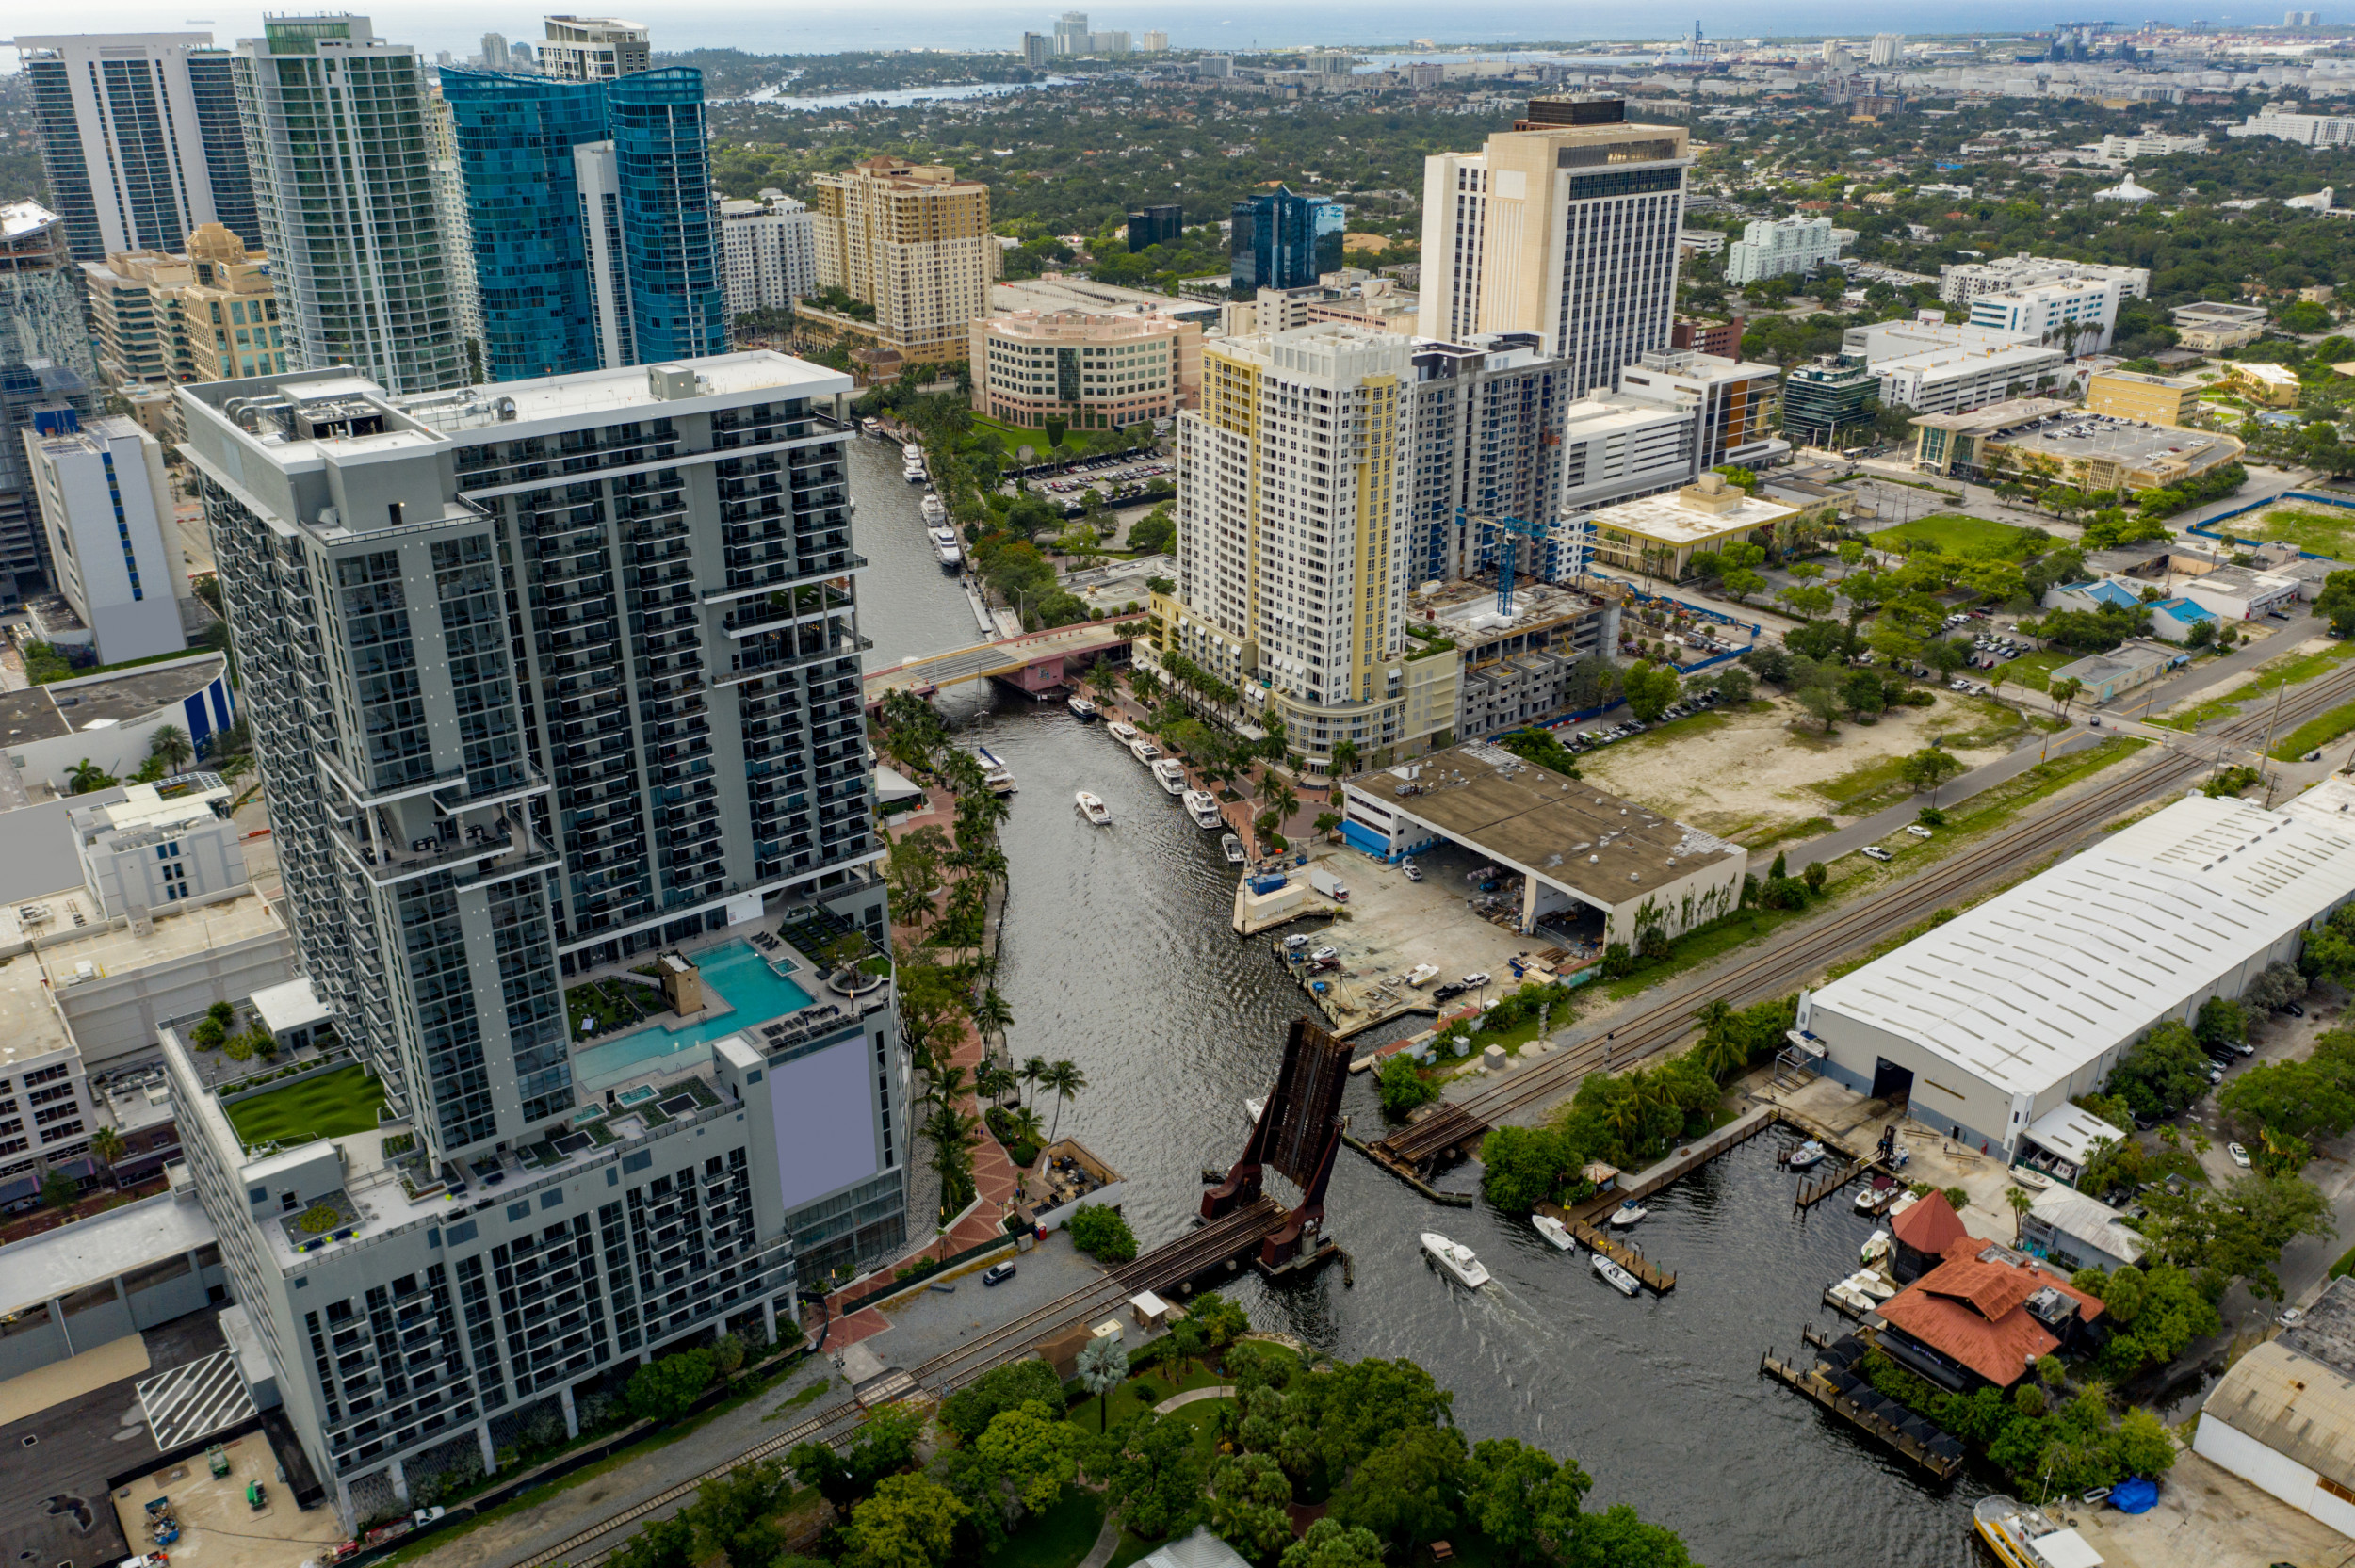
x,y
1031,663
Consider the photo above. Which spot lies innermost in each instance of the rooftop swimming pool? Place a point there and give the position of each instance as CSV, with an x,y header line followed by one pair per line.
x,y
740,976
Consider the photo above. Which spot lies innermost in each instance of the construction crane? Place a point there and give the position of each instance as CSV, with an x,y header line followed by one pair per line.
x,y
1510,532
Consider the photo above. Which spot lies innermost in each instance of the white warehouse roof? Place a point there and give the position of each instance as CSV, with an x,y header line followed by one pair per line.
x,y
2042,979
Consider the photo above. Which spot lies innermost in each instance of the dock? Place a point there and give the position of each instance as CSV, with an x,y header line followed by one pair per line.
x,y
1812,1194
1406,1172
1646,1271
1686,1160
1941,1456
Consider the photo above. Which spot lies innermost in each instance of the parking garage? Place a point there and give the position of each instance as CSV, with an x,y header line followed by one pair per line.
x,y
1583,857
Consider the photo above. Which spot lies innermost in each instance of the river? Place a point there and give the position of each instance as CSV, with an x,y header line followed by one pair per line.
x,y
1117,955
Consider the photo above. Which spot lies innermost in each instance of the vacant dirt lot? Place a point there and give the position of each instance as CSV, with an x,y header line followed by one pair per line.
x,y
1764,774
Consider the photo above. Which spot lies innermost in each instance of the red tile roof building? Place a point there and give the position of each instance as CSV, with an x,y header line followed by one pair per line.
x,y
1985,1310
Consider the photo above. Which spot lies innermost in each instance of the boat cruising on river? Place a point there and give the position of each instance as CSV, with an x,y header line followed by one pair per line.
x,y
1456,1258
1233,849
995,773
1203,807
2022,1536
1554,1231
944,546
1172,773
1120,729
1081,709
1144,750
1617,1277
1093,808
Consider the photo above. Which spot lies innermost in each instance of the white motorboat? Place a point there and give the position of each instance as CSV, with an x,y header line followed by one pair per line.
x,y
911,451
995,773
1203,807
1617,1277
944,546
1233,849
1554,1231
1120,729
1253,1110
1081,709
931,507
1093,808
1807,1153
1456,1258
1422,975
2035,1181
1874,1249
1627,1214
1144,750
1172,773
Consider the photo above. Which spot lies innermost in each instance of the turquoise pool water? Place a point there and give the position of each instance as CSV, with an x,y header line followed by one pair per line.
x,y
741,977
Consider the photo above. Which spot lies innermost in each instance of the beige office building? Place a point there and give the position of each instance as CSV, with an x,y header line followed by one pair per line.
x,y
1291,547
1566,226
912,240
1090,370
2130,395
206,314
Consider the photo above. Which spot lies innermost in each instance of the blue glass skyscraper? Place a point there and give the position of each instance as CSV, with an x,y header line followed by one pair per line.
x,y
589,207
1281,240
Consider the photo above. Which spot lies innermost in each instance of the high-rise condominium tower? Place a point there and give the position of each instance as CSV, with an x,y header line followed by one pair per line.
x,y
589,208
1564,226
516,724
45,362
594,48
912,240
1292,520
341,159
139,139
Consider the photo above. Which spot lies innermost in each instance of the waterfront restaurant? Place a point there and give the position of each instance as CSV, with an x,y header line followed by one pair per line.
x,y
1983,1316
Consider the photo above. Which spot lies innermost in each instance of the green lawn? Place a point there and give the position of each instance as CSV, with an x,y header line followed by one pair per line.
x,y
1868,788
1957,535
2274,673
2314,732
1056,1539
2034,671
1140,1392
1971,722
329,1105
2324,530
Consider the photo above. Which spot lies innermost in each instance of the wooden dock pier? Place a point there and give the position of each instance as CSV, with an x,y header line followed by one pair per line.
x,y
1820,1389
1636,1263
1406,1172
1812,1194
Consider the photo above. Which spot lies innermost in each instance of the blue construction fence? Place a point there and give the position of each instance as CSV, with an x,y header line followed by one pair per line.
x,y
2209,530
1703,611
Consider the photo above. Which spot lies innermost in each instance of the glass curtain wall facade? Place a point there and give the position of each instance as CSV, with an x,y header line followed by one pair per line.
x,y
1281,240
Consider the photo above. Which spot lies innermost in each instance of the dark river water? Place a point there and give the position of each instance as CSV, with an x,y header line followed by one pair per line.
x,y
1117,955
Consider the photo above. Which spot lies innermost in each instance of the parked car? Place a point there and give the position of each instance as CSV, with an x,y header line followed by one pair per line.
x,y
1917,830
998,1273
1873,851
2293,1010
2216,1075
2240,1156
1447,992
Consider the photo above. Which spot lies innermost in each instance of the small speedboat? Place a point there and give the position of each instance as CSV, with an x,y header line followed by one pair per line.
x,y
1874,1249
1120,729
1422,975
1203,807
1554,1231
1253,1110
1081,709
1144,750
1456,1258
1233,848
1093,808
1807,1153
1617,1277
1172,773
1627,1214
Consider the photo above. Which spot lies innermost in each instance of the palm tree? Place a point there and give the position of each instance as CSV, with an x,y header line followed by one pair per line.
x,y
2065,692
946,1082
87,776
1034,1071
2021,1203
106,1144
991,1015
991,1081
1719,1051
170,744
1066,1080
1344,758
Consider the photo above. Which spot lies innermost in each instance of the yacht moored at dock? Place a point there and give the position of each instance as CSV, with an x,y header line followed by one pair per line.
x,y
1554,1231
944,546
1807,1153
1081,709
1618,1278
1203,807
1233,848
911,452
1172,773
913,473
1093,808
1456,1258
995,773
931,507
2022,1536
1144,750
1120,729
1627,1214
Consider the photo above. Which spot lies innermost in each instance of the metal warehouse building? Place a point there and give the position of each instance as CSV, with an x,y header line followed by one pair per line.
x,y
1989,1023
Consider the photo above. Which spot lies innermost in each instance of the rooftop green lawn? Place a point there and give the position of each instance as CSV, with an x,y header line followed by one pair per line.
x,y
1957,535
329,1105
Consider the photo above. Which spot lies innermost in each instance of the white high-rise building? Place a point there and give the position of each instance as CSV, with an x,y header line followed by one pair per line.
x,y
1564,226
355,244
771,249
593,48
1293,481
2076,315
1783,247
1887,48
108,512
1154,43
1071,32
1835,51
1960,284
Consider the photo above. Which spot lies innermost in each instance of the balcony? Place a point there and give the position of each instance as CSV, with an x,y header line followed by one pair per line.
x,y
505,846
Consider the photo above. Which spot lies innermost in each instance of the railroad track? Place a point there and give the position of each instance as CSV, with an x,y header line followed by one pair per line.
x,y
1168,1264
1770,973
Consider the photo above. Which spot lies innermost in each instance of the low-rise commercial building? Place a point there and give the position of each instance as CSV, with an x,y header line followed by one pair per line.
x,y
71,1289
1082,369
1732,401
1945,367
1822,399
1586,859
2282,1417
1984,1316
2078,1231
2088,450
2236,593
2274,386
2307,130
2005,1013
2210,327
2178,619
2133,394
1962,282
2074,313
1658,535
2129,666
